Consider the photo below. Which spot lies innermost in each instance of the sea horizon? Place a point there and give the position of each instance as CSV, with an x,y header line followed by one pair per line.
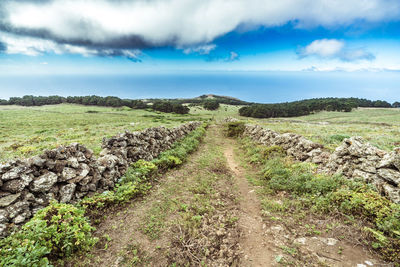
x,y
252,86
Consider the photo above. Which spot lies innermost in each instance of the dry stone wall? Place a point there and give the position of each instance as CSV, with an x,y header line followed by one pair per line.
x,y
354,158
67,174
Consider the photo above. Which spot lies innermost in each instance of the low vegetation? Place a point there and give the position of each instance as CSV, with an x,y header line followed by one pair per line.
x,y
333,196
60,230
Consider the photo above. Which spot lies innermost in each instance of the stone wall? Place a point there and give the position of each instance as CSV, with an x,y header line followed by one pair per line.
x,y
67,174
354,158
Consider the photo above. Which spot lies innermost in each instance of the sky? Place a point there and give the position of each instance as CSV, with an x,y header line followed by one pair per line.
x,y
278,50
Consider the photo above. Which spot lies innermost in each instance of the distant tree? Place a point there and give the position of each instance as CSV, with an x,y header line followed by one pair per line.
x,y
305,107
211,105
396,104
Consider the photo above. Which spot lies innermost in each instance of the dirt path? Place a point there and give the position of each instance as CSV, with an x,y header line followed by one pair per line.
x,y
254,242
207,213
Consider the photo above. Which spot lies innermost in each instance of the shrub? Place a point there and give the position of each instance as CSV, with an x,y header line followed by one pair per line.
x,y
55,231
234,129
211,105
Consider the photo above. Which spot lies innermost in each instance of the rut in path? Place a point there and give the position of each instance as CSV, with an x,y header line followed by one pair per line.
x,y
254,243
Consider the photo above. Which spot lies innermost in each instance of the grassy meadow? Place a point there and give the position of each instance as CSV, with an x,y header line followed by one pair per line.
x,y
27,131
380,126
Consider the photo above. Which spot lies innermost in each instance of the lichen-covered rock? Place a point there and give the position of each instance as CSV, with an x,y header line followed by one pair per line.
x,y
8,200
67,174
14,173
3,216
390,175
17,208
67,192
44,182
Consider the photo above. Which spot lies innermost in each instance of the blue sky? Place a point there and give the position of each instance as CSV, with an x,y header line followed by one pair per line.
x,y
50,38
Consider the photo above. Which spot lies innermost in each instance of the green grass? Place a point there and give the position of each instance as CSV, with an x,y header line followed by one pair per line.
x,y
323,194
380,127
27,131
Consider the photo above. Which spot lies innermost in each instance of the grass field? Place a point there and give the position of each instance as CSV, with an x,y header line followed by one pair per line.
x,y
381,127
27,131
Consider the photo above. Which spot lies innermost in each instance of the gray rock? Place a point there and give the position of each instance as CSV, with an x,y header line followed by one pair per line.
x,y
14,173
67,192
68,174
44,182
13,186
22,217
366,176
73,162
17,208
390,160
84,170
8,200
3,216
38,161
390,175
3,229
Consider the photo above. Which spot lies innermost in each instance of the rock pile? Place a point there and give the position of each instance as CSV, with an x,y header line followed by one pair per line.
x,y
354,158
295,145
67,174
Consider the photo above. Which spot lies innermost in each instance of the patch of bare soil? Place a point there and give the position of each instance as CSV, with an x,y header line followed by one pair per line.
x,y
255,243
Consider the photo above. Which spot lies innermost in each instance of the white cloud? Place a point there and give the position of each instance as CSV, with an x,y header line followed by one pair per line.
x,y
30,46
332,48
233,56
180,23
201,50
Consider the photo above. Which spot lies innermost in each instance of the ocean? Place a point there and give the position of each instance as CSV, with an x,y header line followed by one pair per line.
x,y
263,87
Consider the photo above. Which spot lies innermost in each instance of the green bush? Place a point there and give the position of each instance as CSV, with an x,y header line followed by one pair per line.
x,y
234,129
55,231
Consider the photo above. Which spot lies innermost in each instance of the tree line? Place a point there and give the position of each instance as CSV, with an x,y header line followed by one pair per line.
x,y
308,106
93,100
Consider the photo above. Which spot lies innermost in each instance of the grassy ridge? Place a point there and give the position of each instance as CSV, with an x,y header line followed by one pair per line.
x,y
60,230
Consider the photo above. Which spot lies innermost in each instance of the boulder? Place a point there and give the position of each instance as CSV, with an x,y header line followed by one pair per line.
x,y
44,182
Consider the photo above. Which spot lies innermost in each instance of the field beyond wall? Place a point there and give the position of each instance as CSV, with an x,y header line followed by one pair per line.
x,y
27,131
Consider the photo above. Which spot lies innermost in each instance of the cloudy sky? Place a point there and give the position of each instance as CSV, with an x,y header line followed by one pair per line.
x,y
157,36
